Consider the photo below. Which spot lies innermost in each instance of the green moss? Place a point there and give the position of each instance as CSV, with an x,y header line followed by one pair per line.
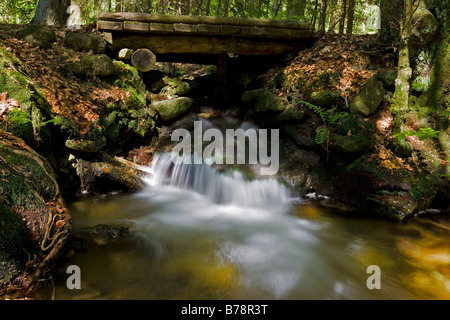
x,y
20,125
370,167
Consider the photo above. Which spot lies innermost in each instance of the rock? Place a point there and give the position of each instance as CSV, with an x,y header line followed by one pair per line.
x,y
175,87
186,122
125,53
97,65
325,98
86,145
28,194
85,42
172,109
13,241
38,35
387,76
370,97
425,27
105,231
290,115
263,100
349,144
121,173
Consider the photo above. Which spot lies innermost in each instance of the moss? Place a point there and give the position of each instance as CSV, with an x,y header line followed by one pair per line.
x,y
25,179
361,164
19,124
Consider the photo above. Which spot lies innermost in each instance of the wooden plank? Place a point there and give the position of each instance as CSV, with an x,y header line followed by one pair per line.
x,y
204,44
251,31
229,30
208,28
250,22
135,26
109,25
272,32
161,27
183,27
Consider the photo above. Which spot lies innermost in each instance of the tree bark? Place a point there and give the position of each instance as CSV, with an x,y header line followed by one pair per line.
x,y
343,16
400,99
351,15
51,13
390,30
323,15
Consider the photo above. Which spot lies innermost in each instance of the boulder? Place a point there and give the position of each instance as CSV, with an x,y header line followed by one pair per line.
x,y
13,241
29,195
263,100
86,145
96,65
85,42
120,173
172,109
425,26
38,35
387,76
369,98
325,98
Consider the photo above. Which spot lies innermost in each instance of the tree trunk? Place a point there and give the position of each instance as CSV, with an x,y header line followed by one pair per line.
x,y
390,9
314,17
51,12
334,17
343,16
400,99
351,15
323,15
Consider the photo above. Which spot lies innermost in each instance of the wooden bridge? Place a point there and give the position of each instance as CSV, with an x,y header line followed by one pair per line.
x,y
184,38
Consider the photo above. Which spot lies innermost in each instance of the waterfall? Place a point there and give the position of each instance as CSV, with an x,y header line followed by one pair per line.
x,y
220,188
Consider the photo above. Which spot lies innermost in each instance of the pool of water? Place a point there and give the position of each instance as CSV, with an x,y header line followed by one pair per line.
x,y
187,242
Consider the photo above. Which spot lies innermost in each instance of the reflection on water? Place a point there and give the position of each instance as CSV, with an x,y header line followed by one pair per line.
x,y
187,245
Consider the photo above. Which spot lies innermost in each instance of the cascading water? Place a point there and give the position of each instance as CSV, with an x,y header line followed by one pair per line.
x,y
220,188
200,233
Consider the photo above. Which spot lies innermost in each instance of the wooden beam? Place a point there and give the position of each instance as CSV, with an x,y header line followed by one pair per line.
x,y
205,44
250,22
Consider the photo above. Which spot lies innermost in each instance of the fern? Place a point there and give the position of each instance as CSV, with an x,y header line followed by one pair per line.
x,y
422,134
321,112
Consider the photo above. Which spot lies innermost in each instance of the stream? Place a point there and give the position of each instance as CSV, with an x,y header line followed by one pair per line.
x,y
196,233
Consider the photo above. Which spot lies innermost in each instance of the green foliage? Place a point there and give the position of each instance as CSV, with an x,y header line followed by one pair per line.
x,y
17,11
422,134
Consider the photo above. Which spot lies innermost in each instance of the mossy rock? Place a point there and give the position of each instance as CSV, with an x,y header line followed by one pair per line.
x,y
350,144
325,98
369,98
425,26
38,35
172,109
27,179
13,243
89,146
85,42
263,100
290,115
95,65
387,76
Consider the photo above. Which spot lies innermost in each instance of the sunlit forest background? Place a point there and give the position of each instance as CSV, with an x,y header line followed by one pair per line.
x,y
339,16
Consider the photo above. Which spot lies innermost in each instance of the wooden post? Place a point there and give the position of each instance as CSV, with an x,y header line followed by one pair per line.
x,y
223,67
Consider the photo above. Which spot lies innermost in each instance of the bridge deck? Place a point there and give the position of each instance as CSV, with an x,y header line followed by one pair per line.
x,y
178,34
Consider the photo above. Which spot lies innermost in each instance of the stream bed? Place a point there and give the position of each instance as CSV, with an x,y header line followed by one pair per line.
x,y
195,233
